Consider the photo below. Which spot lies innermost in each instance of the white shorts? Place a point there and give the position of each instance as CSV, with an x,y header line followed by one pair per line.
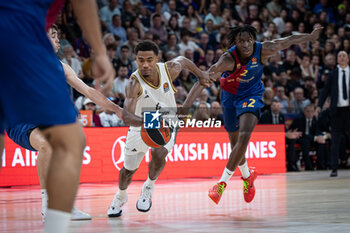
x,y
136,148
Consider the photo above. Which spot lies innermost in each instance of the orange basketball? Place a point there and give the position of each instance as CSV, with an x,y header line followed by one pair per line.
x,y
156,137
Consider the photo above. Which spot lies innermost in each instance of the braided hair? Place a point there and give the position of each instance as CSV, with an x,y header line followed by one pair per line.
x,y
235,31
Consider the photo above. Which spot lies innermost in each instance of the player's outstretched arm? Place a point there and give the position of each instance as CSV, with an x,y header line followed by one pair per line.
x,y
179,63
225,63
269,48
98,98
86,12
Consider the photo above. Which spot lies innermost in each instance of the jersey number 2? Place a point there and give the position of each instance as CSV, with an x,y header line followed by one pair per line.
x,y
244,73
251,104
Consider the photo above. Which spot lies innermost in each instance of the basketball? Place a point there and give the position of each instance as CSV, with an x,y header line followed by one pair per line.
x,y
156,137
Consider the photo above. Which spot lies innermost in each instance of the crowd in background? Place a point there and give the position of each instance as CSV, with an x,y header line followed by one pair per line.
x,y
293,78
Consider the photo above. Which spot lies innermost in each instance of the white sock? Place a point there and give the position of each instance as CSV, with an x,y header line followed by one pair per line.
x,y
44,199
244,170
122,193
226,175
56,221
149,182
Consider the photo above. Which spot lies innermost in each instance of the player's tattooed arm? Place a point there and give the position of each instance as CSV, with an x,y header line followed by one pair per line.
x,y
176,65
225,63
132,92
269,48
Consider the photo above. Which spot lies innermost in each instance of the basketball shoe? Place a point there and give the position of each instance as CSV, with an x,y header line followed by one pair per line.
x,y
144,203
248,186
76,215
115,210
216,192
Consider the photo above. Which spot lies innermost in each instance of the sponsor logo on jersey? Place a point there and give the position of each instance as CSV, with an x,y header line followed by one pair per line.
x,y
166,87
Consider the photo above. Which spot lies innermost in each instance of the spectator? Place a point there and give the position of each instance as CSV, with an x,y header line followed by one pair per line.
x,y
282,99
82,48
106,13
110,119
267,98
89,105
174,28
72,61
202,112
322,6
306,67
273,115
253,15
274,8
116,28
216,112
124,59
271,32
299,102
172,10
306,124
204,42
281,20
214,16
195,20
291,62
158,29
186,80
242,10
186,43
119,84
171,45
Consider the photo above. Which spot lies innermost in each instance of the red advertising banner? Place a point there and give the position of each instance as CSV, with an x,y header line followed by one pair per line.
x,y
197,153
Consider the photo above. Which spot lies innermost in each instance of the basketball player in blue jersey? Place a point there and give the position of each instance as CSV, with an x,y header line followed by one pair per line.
x,y
240,70
33,90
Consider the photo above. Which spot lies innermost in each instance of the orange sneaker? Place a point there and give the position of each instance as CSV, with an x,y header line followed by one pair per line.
x,y
248,186
216,192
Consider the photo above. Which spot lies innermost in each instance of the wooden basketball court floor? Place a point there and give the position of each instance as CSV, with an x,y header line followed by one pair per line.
x,y
293,202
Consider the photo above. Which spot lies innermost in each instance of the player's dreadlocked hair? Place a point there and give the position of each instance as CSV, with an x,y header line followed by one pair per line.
x,y
237,30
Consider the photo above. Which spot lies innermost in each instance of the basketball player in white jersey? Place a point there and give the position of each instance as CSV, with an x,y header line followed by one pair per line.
x,y
150,86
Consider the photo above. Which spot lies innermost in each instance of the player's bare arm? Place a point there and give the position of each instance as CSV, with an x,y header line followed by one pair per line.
x,y
225,63
98,98
132,92
176,65
269,48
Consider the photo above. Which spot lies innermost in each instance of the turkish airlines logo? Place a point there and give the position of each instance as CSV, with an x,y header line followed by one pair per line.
x,y
118,152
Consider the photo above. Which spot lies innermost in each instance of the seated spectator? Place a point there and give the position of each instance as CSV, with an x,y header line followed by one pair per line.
x,y
158,29
214,16
116,28
267,98
171,45
216,112
186,43
82,48
110,119
282,98
72,61
174,28
306,124
186,80
119,84
124,59
89,105
299,102
273,115
106,13
202,112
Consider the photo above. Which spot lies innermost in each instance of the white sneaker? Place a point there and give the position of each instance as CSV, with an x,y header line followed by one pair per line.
x,y
115,210
145,201
76,214
80,215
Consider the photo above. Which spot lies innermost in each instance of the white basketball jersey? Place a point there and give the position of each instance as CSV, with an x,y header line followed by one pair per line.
x,y
155,98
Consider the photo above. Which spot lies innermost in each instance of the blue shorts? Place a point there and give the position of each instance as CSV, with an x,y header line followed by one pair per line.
x,y
233,106
33,88
20,134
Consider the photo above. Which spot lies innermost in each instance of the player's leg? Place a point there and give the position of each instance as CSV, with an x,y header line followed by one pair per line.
x,y
155,167
40,144
135,150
